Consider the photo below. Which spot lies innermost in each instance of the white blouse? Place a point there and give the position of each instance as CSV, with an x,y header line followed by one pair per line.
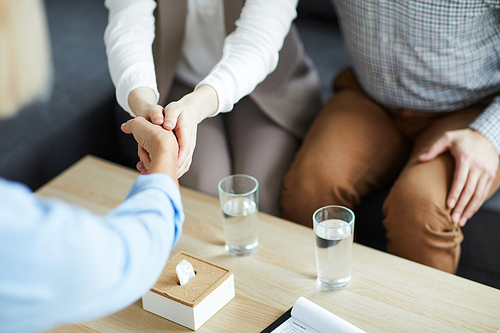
x,y
232,65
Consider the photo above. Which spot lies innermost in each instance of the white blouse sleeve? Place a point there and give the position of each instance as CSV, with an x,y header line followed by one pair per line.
x,y
250,52
129,38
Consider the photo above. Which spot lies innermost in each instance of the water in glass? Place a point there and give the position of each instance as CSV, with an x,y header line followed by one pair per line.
x,y
333,254
240,226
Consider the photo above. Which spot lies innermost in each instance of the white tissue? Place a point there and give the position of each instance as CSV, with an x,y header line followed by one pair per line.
x,y
185,272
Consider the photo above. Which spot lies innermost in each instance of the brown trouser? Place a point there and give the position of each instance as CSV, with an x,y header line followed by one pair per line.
x,y
356,146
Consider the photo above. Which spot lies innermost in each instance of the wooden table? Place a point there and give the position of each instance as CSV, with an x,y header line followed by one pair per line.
x,y
387,293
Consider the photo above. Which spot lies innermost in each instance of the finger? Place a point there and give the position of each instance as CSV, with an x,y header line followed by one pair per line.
x,y
187,144
184,167
140,166
482,189
144,156
138,124
184,153
465,196
172,113
437,148
459,180
142,131
155,115
126,127
182,163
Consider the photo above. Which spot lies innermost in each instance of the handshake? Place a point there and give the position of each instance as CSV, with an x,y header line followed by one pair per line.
x,y
159,128
157,148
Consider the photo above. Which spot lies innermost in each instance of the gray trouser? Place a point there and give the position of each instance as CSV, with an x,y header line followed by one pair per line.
x,y
245,141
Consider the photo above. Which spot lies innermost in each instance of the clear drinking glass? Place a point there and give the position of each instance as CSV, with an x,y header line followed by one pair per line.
x,y
333,233
239,202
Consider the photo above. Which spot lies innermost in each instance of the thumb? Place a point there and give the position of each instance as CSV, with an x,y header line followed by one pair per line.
x,y
438,147
172,113
155,114
143,132
135,125
128,126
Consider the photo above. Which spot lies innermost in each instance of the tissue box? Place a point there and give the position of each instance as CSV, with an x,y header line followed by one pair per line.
x,y
192,304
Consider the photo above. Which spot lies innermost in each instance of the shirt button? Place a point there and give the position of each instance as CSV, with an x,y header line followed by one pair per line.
x,y
388,79
385,39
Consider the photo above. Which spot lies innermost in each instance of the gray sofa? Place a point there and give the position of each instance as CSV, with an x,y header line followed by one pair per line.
x,y
82,118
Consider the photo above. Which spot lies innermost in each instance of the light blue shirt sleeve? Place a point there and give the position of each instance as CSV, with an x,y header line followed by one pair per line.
x,y
62,264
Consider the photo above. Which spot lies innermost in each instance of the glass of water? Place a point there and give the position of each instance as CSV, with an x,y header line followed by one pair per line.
x,y
333,233
239,202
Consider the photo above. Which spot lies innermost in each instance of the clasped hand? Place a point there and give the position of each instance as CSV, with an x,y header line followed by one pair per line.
x,y
181,117
476,165
158,148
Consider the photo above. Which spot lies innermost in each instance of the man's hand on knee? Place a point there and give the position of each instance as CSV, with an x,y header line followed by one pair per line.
x,y
476,165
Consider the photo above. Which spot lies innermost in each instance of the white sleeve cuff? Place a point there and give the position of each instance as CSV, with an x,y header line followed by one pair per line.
x,y
141,74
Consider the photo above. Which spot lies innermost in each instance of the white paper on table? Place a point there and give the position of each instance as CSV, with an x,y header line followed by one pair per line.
x,y
311,318
184,271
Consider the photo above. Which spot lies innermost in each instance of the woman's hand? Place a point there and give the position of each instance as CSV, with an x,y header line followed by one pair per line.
x,y
142,102
182,117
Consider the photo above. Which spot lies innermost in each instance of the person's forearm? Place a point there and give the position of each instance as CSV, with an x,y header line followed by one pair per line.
x,y
128,39
251,52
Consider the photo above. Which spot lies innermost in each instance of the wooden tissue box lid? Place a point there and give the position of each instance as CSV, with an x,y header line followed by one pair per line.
x,y
208,277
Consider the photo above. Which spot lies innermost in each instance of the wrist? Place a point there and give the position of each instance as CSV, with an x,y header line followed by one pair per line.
x,y
141,99
206,96
165,163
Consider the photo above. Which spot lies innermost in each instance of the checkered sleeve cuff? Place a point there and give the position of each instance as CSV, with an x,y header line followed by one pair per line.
x,y
488,123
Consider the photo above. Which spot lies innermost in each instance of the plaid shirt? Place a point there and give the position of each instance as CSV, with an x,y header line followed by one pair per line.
x,y
427,55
